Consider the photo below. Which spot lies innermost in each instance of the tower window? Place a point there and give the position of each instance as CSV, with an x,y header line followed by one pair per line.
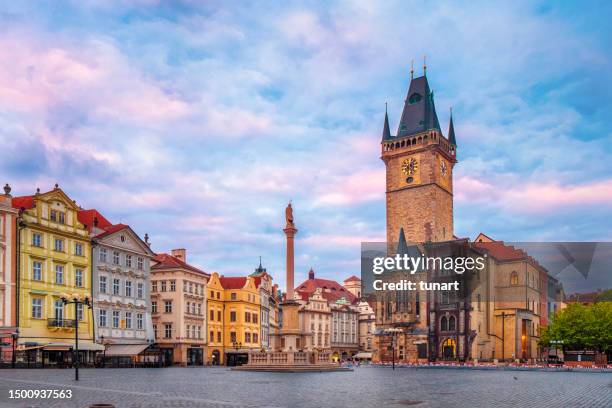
x,y
414,98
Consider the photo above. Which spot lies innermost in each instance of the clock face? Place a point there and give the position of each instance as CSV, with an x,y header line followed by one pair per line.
x,y
409,167
443,169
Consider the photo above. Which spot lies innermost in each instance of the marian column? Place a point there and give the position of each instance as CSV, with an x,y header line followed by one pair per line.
x,y
290,232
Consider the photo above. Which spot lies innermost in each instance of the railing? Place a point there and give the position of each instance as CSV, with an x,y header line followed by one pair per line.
x,y
61,323
289,358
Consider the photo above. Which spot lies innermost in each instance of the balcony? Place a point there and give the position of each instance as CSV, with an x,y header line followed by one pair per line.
x,y
67,323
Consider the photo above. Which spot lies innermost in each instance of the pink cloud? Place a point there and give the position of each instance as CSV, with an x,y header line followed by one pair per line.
x,y
532,197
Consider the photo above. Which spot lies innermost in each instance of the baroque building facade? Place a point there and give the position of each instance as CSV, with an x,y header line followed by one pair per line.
x,y
121,270
8,276
54,260
178,308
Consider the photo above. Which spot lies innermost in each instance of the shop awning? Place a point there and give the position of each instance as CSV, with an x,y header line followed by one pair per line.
x,y
363,354
83,346
116,350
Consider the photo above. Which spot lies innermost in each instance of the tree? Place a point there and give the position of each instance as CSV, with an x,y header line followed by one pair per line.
x,y
581,327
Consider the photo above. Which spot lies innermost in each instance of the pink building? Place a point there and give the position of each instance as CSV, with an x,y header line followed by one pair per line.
x,y
8,274
178,307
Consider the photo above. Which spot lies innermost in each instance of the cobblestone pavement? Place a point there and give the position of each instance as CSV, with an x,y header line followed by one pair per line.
x,y
364,387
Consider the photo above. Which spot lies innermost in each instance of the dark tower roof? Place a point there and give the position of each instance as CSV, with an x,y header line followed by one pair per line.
x,y
386,135
402,245
419,114
451,131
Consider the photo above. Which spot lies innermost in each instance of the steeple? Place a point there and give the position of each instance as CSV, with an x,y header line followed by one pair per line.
x,y
386,135
419,114
402,245
451,130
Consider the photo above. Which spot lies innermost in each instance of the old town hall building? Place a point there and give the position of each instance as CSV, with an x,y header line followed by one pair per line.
x,y
486,319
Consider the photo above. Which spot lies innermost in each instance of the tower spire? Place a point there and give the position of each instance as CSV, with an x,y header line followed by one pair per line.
x,y
386,135
451,130
424,65
411,70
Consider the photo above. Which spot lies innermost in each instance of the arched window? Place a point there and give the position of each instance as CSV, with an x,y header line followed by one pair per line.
x,y
443,324
414,98
451,323
514,278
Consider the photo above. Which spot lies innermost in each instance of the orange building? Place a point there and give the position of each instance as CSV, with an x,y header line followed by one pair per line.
x,y
178,307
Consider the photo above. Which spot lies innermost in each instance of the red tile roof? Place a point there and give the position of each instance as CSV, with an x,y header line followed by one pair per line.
x,y
331,290
352,279
26,202
164,261
501,251
233,282
87,217
111,230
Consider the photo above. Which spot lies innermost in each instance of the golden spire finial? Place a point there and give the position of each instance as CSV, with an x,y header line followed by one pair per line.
x,y
424,65
411,69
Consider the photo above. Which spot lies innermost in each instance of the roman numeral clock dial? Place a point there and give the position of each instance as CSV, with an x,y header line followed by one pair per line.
x,y
409,169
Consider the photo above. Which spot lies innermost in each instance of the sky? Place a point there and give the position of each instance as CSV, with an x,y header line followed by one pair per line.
x,y
197,122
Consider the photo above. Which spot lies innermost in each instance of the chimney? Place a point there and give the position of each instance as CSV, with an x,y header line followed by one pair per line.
x,y
180,253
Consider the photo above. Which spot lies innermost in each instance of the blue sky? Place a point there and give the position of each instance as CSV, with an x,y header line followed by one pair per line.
x,y
197,122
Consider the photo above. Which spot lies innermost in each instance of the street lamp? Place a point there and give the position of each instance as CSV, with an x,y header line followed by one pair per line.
x,y
76,301
104,352
393,332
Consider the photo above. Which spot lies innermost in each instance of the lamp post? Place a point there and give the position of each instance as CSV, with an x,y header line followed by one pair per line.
x,y
393,332
104,352
76,301
14,356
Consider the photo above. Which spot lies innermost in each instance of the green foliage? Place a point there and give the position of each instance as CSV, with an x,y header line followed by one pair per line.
x,y
581,327
605,296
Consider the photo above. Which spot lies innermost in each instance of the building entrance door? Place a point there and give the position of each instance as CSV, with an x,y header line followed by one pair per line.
x,y
195,356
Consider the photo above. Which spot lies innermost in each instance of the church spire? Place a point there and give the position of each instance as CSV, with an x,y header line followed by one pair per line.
x,y
419,114
386,135
402,245
451,130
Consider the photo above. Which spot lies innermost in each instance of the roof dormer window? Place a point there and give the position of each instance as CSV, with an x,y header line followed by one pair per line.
x,y
414,98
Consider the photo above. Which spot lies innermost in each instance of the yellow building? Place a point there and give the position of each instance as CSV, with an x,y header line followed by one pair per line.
x,y
234,311
54,259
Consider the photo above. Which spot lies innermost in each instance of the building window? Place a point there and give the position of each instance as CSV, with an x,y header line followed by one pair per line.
x,y
163,286
36,240
233,337
218,315
255,338
154,286
247,337
78,278
187,330
102,255
167,331
444,324
514,278
59,309
78,249
232,316
212,336
102,284
128,320
452,323
247,317
168,306
140,290
198,309
155,331
116,318
154,306
172,285
128,261
139,321
59,245
36,271
140,263
116,286
37,308
212,315
233,296
102,317
128,288
59,274
79,310
254,317
187,307
218,337
115,257
53,216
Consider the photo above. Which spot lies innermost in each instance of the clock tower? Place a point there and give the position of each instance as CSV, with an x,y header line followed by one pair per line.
x,y
419,161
